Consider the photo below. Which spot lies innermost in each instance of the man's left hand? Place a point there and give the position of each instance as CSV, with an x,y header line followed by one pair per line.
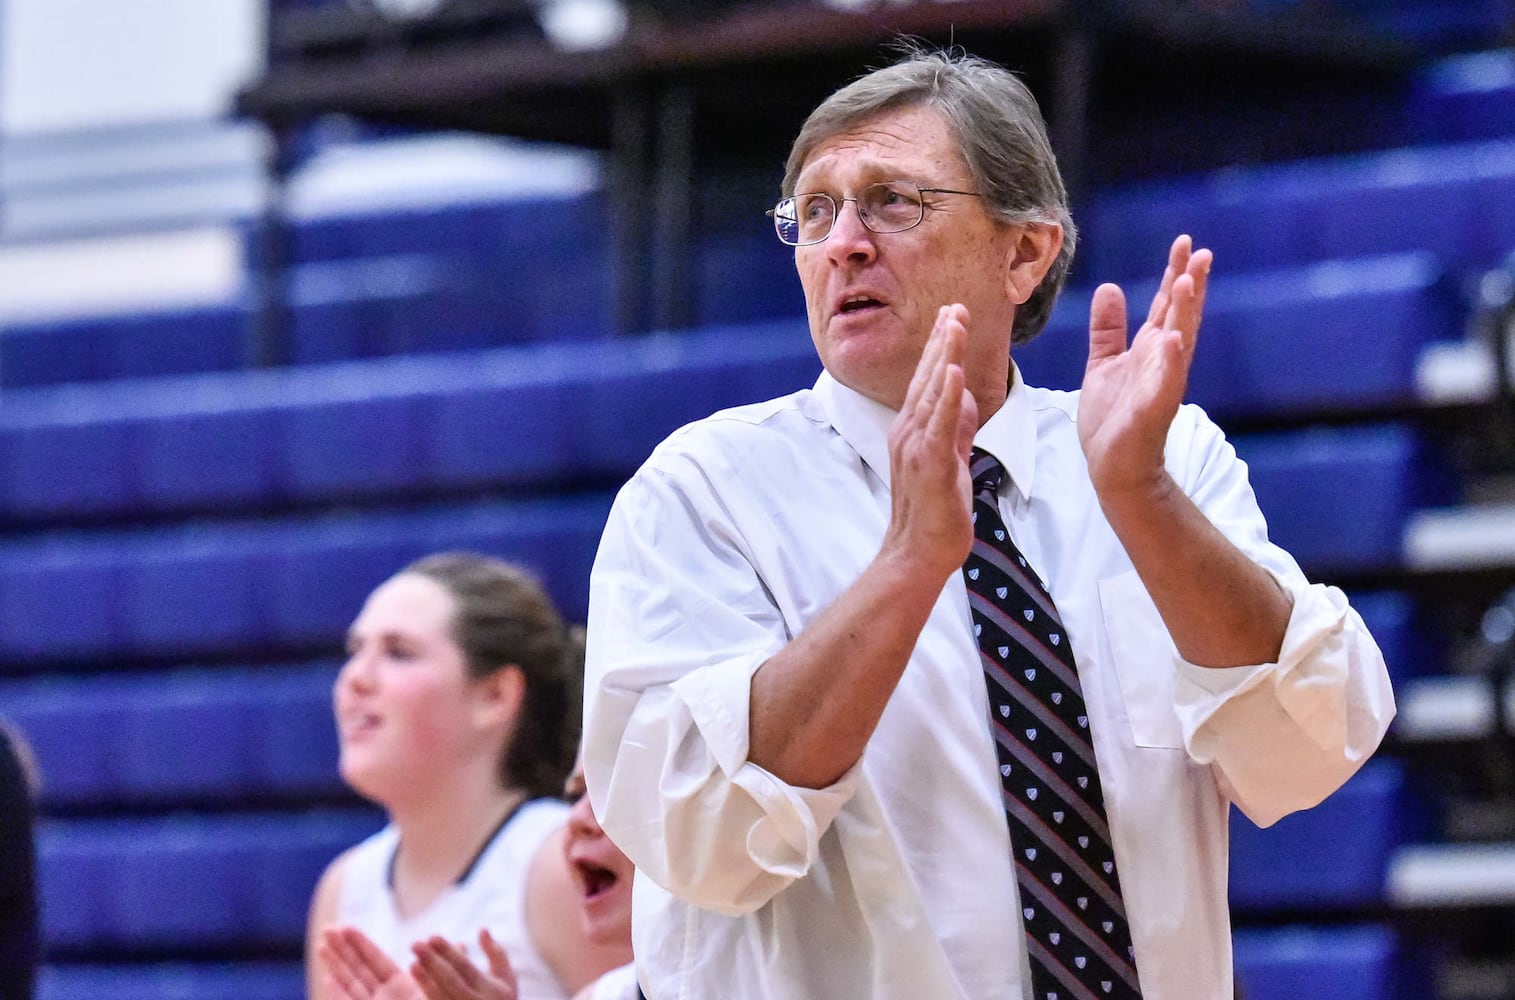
x,y
1131,394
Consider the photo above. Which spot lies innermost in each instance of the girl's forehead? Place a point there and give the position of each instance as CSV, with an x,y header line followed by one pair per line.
x,y
417,602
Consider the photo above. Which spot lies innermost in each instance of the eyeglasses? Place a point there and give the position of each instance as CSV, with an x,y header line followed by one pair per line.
x,y
886,207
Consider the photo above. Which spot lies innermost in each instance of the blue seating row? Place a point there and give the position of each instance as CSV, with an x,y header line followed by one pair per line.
x,y
1464,98
285,584
186,881
524,231
1312,485
222,735
1334,856
1449,200
261,587
174,981
1357,962
410,293
371,307
1331,335
183,883
200,338
416,303
1410,644
398,425
545,415
230,734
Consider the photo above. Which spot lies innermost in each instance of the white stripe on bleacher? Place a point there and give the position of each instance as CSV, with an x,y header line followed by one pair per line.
x,y
1468,537
1452,875
437,169
74,160
1448,708
144,206
1458,372
91,277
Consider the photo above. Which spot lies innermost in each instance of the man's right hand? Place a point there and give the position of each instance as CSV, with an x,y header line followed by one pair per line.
x,y
929,445
817,701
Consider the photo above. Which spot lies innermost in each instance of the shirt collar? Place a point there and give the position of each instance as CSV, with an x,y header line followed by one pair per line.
x,y
1009,435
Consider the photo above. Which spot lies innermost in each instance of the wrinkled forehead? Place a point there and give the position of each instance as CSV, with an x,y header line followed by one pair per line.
x,y
916,142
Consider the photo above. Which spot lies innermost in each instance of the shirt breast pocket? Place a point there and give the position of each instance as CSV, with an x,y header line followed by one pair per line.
x,y
1144,658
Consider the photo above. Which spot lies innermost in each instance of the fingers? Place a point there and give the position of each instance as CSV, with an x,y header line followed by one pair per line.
x,y
499,961
926,368
945,349
1107,323
1179,303
1188,300
342,989
353,966
942,399
942,427
1199,273
340,980
934,403
929,445
443,971
369,955
1178,259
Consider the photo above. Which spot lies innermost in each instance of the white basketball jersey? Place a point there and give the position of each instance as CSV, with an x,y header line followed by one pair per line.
x,y
492,894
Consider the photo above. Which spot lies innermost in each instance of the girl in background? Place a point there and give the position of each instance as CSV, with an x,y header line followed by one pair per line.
x,y
457,712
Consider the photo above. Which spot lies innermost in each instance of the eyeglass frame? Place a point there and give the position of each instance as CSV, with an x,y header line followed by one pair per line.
x,y
837,203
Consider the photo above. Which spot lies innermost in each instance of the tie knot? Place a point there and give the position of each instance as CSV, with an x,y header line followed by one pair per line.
x,y
986,472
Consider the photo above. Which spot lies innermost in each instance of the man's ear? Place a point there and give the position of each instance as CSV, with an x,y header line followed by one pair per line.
x,y
498,697
1033,248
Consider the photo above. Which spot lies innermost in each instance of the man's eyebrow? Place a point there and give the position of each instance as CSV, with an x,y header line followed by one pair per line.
x,y
871,169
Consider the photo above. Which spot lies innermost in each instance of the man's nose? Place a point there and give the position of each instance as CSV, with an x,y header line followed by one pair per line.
x,y
849,236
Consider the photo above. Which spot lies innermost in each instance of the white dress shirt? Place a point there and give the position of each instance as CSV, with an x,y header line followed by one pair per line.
x,y
897,881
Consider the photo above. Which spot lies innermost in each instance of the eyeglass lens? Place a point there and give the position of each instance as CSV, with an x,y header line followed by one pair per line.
x,y
886,207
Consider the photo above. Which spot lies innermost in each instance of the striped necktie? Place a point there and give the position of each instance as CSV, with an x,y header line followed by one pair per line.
x,y
1076,931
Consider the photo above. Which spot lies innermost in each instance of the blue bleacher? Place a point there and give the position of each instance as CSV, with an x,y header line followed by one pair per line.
x,y
226,735
180,882
1334,856
266,980
1333,334
1436,25
1464,98
450,276
1451,200
1312,485
165,342
414,304
532,230
745,277
1340,963
1409,643
398,280
524,417
286,584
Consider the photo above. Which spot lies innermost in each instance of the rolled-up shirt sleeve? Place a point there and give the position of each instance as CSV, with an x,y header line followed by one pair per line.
x,y
679,620
1284,735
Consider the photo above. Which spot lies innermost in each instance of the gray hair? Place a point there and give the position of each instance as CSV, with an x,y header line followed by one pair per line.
x,y
1000,132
